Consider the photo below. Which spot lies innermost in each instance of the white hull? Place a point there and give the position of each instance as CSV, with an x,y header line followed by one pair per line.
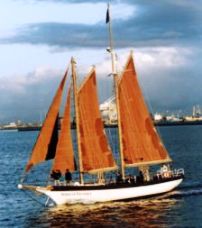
x,y
104,195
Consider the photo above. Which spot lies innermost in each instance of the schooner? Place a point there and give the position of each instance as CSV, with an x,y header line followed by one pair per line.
x,y
140,146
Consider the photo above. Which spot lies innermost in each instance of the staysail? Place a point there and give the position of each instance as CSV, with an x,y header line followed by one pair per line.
x,y
45,146
95,150
64,157
140,141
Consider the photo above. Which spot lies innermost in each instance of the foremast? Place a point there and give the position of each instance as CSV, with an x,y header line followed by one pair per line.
x,y
74,81
116,79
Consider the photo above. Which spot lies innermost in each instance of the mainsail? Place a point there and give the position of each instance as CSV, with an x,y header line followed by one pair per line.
x,y
64,157
95,151
140,140
45,146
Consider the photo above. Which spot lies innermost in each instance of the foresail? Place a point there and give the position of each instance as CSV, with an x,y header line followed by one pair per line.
x,y
45,146
140,140
95,150
64,157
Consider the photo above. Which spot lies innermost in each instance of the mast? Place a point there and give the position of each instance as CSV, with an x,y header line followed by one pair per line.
x,y
73,63
115,77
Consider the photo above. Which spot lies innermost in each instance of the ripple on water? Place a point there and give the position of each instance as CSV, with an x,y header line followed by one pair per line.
x,y
182,207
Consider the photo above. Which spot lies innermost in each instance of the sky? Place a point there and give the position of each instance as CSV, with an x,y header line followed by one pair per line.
x,y
39,37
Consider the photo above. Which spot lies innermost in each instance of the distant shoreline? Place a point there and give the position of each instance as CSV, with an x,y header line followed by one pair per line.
x,y
73,125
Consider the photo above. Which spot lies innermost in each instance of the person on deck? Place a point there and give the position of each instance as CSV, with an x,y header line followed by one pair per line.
x,y
55,175
130,179
68,176
140,178
165,171
119,178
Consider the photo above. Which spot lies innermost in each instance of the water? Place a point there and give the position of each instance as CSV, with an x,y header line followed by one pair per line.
x,y
181,208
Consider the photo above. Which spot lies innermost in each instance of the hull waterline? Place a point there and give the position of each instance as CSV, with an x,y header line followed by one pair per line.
x,y
87,196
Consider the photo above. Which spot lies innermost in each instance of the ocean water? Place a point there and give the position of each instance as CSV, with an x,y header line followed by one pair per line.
x,y
180,208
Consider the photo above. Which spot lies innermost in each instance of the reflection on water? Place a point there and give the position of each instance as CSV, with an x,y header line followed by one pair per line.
x,y
144,213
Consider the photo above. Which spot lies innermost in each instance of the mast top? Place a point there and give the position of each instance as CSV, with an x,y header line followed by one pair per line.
x,y
110,49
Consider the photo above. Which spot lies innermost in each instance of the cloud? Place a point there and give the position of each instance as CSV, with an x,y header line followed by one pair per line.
x,y
20,83
148,59
153,58
156,24
27,96
179,2
158,72
166,38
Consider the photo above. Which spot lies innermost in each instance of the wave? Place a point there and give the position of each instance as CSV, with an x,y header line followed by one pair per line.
x,y
195,185
181,194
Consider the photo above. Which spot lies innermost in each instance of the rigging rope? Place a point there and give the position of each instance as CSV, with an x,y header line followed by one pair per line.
x,y
34,199
23,178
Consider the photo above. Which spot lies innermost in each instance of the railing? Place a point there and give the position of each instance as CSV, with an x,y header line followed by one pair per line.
x,y
178,172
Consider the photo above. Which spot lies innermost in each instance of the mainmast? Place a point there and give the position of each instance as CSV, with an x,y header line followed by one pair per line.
x,y
73,63
115,76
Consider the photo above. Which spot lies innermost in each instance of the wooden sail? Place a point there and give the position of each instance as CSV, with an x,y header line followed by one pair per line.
x,y
45,146
95,150
64,157
140,140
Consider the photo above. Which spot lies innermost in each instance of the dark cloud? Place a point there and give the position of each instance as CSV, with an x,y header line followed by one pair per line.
x,y
75,1
156,23
29,102
176,90
166,93
32,104
60,34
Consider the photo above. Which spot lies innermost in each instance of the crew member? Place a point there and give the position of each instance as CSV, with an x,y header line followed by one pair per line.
x,y
68,176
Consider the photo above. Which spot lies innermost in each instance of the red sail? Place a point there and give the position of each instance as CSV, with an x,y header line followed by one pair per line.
x,y
64,158
140,140
95,151
44,148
